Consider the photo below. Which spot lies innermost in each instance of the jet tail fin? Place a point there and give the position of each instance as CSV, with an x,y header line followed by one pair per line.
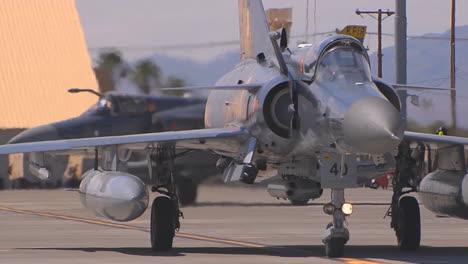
x,y
253,28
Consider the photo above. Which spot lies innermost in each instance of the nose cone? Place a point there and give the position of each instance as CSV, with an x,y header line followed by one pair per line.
x,y
40,133
373,125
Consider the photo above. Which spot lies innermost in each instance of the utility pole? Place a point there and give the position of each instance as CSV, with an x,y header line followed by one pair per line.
x,y
400,52
307,23
453,101
379,32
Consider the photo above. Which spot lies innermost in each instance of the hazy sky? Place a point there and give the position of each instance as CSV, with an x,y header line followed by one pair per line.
x,y
144,27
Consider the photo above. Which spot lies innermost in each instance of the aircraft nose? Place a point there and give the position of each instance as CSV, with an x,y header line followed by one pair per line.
x,y
40,133
373,125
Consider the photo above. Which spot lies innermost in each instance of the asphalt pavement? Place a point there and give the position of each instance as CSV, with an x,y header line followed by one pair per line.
x,y
227,225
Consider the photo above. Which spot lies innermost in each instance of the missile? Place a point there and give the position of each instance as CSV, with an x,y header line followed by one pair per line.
x,y
115,195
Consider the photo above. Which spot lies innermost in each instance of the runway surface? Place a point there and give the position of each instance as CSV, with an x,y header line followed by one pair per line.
x,y
228,225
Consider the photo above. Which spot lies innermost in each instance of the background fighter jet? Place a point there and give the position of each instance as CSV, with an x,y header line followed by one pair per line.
x,y
314,114
122,114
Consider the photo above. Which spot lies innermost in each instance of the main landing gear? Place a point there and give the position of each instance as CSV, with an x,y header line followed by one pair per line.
x,y
163,223
404,210
165,210
336,234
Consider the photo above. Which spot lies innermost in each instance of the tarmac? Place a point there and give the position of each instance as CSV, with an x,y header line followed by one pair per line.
x,y
227,225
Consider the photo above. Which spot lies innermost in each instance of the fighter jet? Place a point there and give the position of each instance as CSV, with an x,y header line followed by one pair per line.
x,y
120,114
315,113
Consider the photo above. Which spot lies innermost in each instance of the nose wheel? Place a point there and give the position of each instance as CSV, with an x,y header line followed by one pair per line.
x,y
336,235
334,247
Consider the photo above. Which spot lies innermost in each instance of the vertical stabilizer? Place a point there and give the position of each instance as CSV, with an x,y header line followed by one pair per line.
x,y
253,28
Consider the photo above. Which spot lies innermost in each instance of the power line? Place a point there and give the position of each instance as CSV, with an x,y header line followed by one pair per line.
x,y
204,45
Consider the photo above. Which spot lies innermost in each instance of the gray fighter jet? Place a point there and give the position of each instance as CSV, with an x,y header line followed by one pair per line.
x,y
316,114
121,114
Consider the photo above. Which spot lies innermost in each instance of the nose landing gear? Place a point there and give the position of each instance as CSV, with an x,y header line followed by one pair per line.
x,y
336,235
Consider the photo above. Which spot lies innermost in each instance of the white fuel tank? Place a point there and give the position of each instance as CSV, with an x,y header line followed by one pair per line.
x,y
116,195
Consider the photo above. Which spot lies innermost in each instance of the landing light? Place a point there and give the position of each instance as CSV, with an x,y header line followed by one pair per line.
x,y
329,208
347,208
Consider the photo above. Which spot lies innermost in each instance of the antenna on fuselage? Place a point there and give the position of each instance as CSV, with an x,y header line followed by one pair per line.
x,y
283,40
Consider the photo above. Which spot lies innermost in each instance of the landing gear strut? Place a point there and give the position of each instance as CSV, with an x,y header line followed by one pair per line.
x,y
404,211
165,210
336,235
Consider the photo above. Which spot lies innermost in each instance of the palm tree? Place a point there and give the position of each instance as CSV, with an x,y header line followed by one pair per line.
x,y
175,82
146,75
107,62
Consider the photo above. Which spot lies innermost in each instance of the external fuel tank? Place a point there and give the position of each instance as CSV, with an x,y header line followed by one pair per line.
x,y
445,192
115,195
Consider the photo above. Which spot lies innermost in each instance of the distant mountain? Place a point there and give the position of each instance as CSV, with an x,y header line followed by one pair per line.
x,y
196,73
428,65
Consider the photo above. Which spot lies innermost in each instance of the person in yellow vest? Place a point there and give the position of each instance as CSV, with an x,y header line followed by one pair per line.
x,y
441,131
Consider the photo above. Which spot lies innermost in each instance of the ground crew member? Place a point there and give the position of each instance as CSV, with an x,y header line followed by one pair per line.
x,y
441,131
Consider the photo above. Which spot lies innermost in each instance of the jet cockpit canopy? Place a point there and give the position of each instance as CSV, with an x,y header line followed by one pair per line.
x,y
343,52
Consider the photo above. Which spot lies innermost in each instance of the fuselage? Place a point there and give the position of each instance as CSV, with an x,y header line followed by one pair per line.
x,y
340,107
122,114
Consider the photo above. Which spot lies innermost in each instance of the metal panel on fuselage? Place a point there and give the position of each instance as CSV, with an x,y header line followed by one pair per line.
x,y
235,103
245,107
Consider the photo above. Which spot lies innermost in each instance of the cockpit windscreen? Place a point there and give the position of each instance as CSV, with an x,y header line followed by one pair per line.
x,y
344,64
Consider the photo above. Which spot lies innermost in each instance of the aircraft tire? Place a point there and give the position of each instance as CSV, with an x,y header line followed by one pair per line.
x,y
409,224
299,202
186,190
162,227
334,247
71,183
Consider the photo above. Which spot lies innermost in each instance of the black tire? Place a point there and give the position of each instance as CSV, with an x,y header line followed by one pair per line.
x,y
163,213
186,190
334,248
19,184
374,185
71,183
299,202
409,224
